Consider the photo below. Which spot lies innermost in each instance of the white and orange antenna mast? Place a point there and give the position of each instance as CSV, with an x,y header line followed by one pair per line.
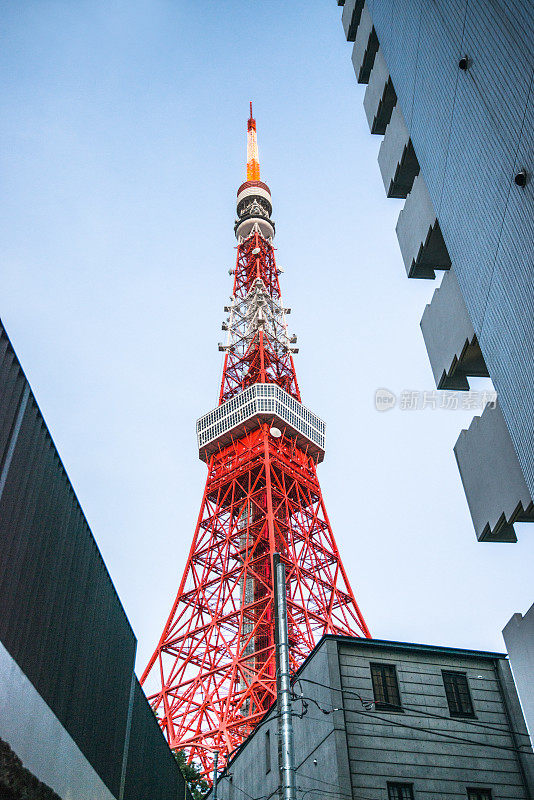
x,y
253,163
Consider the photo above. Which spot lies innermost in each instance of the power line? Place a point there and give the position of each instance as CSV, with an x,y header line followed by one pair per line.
x,y
324,791
420,729
326,783
239,789
300,788
305,700
413,709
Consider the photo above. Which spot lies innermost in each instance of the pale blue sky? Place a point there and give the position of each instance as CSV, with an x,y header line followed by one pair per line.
x,y
123,129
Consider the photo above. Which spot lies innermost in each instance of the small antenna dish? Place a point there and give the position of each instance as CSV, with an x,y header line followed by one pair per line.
x,y
256,251
275,433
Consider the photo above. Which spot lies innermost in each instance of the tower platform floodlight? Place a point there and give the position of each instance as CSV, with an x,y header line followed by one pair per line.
x,y
212,675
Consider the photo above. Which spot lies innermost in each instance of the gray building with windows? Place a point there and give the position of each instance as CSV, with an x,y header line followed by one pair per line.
x,y
450,90
378,720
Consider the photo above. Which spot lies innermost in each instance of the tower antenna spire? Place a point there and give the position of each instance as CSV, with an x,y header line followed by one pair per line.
x,y
253,163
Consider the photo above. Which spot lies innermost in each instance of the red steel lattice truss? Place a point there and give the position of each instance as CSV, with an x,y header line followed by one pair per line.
x,y
214,665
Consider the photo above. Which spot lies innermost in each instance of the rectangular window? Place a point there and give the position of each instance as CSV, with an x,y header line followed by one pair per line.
x,y
457,692
267,751
385,687
479,794
400,791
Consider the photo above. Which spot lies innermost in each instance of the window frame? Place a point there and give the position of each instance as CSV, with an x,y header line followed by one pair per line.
x,y
474,793
396,785
458,714
267,743
381,705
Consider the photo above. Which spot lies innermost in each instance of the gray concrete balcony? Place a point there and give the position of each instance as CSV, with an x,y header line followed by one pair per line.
x,y
396,158
420,239
365,47
494,485
380,97
450,338
350,18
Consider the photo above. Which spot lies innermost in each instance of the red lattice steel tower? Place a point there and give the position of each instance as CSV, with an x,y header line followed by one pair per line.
x,y
214,665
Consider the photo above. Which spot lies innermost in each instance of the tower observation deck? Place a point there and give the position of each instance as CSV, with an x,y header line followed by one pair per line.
x,y
212,674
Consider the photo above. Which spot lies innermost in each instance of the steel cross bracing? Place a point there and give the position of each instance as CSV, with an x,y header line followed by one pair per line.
x,y
212,675
258,347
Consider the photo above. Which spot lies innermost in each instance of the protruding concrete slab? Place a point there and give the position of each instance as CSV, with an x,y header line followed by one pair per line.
x,y
396,158
494,485
420,239
380,97
351,18
450,338
365,47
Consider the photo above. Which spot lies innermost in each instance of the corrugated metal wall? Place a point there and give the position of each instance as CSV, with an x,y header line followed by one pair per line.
x,y
61,619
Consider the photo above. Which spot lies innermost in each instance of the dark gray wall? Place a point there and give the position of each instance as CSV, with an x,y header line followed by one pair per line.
x,y
61,618
62,621
151,770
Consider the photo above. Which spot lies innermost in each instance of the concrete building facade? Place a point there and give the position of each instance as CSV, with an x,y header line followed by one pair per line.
x,y
450,89
377,720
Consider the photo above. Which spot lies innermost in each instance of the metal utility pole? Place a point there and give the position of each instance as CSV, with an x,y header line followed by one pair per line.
x,y
286,748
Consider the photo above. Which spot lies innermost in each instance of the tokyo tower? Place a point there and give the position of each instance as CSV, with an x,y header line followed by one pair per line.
x,y
214,665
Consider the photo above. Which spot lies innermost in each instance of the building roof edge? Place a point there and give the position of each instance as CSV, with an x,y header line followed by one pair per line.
x,y
387,643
